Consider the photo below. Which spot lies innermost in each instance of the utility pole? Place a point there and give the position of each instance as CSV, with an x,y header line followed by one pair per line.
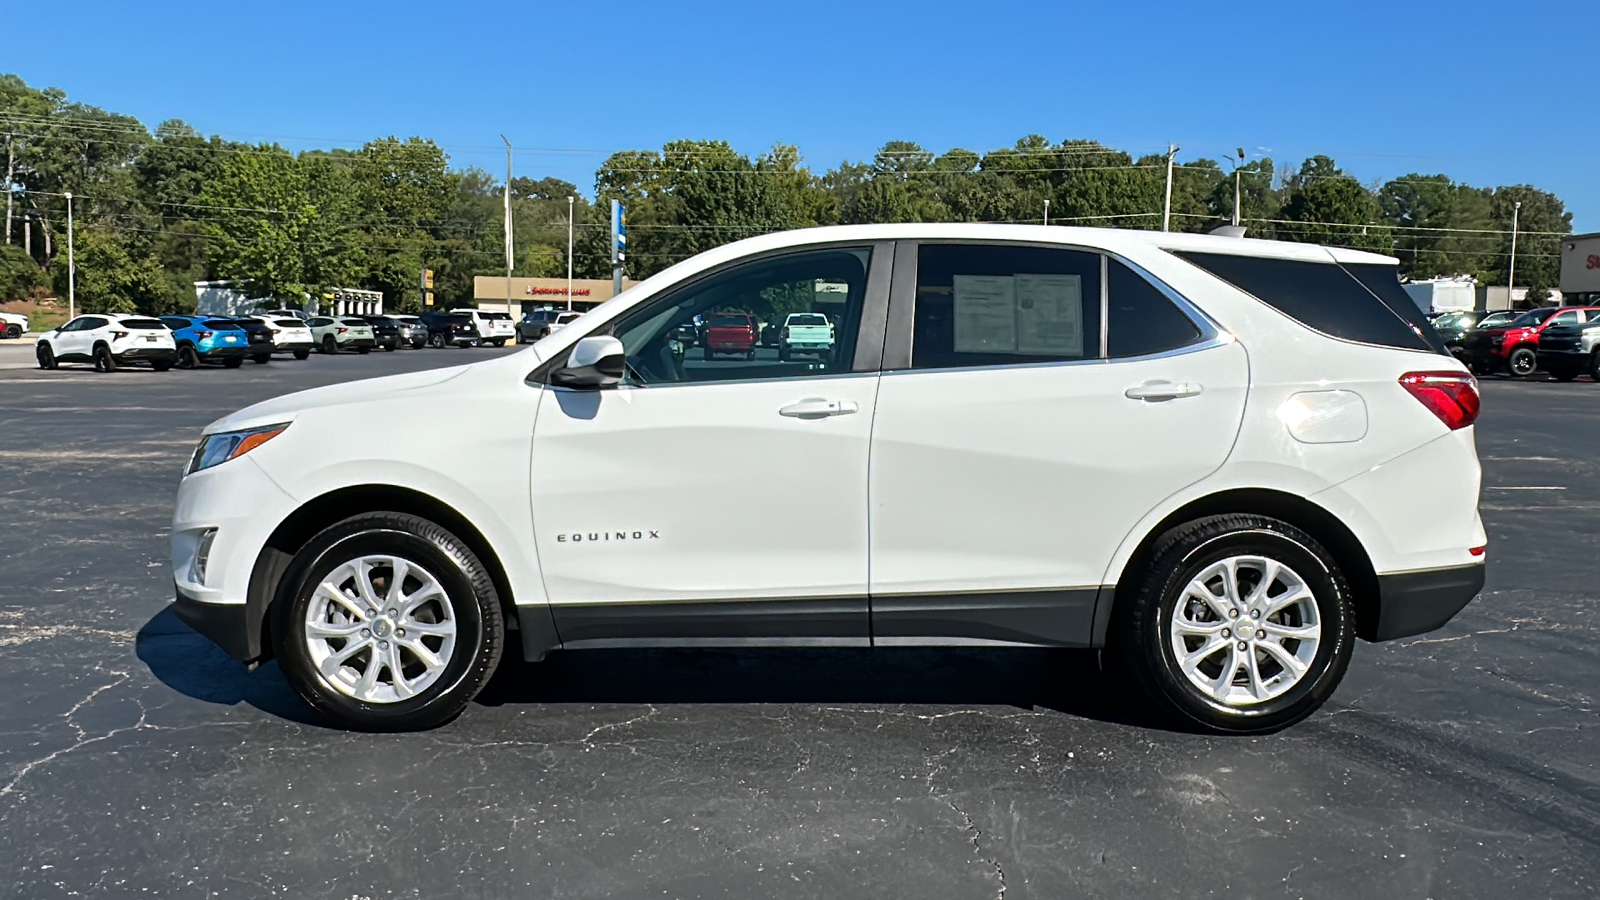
x,y
509,251
569,252
619,245
1511,274
1237,171
1047,210
1166,204
72,268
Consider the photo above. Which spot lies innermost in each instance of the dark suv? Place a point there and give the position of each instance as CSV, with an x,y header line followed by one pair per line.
x,y
445,329
385,330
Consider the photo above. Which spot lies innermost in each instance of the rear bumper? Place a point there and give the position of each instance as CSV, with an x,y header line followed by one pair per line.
x,y
228,625
238,352
1417,602
358,342
283,346
147,354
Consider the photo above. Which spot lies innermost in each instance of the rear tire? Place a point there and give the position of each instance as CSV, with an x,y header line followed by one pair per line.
x,y
329,345
46,357
390,348
261,360
1594,366
1285,678
436,341
233,363
351,690
187,358
302,354
104,362
1522,362
161,366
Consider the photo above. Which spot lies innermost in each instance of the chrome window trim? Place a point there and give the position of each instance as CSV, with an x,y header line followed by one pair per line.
x,y
1217,340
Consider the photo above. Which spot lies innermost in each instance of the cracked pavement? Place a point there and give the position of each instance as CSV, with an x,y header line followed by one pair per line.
x,y
137,759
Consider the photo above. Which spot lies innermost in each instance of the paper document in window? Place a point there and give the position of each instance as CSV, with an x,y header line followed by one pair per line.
x,y
985,314
1049,315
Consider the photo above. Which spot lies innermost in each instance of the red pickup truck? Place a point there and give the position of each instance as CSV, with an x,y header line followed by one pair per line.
x,y
730,333
1514,347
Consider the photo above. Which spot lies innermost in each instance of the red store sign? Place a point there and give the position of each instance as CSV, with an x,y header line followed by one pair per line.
x,y
561,291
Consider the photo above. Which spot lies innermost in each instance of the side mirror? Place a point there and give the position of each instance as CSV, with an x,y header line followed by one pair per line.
x,y
597,361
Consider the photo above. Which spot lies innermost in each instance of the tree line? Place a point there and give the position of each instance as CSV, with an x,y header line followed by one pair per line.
x,y
156,211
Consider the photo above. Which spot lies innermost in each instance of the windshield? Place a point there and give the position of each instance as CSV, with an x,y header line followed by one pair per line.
x,y
495,315
808,319
729,321
1532,317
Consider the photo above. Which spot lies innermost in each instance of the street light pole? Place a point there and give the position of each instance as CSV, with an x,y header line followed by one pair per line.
x,y
1047,210
569,252
72,267
1237,171
1511,274
509,247
1166,204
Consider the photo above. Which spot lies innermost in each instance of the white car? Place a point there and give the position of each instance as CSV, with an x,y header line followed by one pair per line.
x,y
562,320
289,335
494,328
332,334
13,325
108,341
1215,457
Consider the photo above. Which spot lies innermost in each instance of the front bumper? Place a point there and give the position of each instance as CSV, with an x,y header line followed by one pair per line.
x,y
228,625
1417,602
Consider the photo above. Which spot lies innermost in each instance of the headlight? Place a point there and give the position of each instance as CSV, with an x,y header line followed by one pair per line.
x,y
216,449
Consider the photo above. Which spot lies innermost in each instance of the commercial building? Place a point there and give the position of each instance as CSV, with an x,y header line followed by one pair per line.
x,y
537,293
1580,268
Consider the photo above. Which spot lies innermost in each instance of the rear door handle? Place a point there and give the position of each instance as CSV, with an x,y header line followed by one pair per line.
x,y
817,408
1156,391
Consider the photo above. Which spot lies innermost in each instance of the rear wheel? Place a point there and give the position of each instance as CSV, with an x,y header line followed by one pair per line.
x,y
783,352
390,348
161,366
1522,362
329,345
187,358
387,622
46,357
233,362
261,360
103,360
1594,366
302,354
1242,624
436,341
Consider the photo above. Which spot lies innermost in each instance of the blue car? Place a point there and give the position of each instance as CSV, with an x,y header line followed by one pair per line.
x,y
208,339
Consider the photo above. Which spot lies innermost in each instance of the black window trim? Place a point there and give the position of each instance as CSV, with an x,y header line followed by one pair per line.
x,y
870,329
903,303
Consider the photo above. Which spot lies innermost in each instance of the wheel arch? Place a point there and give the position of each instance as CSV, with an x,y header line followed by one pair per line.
x,y
320,512
1329,531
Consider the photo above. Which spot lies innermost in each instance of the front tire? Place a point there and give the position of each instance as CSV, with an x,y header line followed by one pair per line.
x,y
46,357
386,650
1179,635
233,362
261,360
302,354
104,362
1522,362
187,358
1594,366
329,345
436,341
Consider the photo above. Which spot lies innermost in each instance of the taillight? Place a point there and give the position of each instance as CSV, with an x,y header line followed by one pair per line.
x,y
202,335
1452,396
118,335
343,330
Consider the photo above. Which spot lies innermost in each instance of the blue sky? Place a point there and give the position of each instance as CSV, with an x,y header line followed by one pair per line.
x,y
1488,93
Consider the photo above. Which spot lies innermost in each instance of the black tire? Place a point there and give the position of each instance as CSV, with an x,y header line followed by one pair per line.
x,y
46,357
11,331
104,362
161,366
302,354
187,358
473,601
783,352
363,350
233,362
1594,366
436,340
1522,362
390,348
496,343
261,360
1142,621
750,356
418,345
329,345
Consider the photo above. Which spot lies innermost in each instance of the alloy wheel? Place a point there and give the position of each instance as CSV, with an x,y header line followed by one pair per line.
x,y
1245,630
380,629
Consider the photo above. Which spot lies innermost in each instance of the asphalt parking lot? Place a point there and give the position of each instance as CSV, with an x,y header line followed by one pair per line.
x,y
137,760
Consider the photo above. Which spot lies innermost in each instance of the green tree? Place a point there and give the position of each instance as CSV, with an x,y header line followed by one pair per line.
x,y
1542,220
1327,206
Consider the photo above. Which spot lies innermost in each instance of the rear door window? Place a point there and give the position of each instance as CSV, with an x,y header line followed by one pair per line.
x,y
1325,297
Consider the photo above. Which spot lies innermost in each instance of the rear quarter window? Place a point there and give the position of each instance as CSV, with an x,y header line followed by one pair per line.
x,y
1329,297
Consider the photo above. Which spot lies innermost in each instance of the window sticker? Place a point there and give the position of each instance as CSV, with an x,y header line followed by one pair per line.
x,y
1035,315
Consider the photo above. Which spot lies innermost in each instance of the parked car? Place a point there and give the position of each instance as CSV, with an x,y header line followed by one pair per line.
x,y
286,313
1514,347
413,333
333,334
445,329
258,338
730,333
108,341
202,339
1453,325
13,325
1240,485
541,323
385,330
1497,318
1567,351
289,335
494,328
771,334
805,332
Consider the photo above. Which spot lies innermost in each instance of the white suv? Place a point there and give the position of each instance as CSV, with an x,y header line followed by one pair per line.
x,y
289,335
494,328
1210,455
334,333
108,341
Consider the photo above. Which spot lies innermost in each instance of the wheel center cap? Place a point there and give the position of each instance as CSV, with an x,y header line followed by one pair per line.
x,y
380,627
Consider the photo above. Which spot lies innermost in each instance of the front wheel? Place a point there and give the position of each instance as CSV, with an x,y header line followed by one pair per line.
x,y
104,362
1241,624
387,622
261,360
46,357
1594,366
436,341
1522,362
302,354
329,345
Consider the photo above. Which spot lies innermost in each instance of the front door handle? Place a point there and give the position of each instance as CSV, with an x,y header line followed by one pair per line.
x,y
817,408
1156,391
